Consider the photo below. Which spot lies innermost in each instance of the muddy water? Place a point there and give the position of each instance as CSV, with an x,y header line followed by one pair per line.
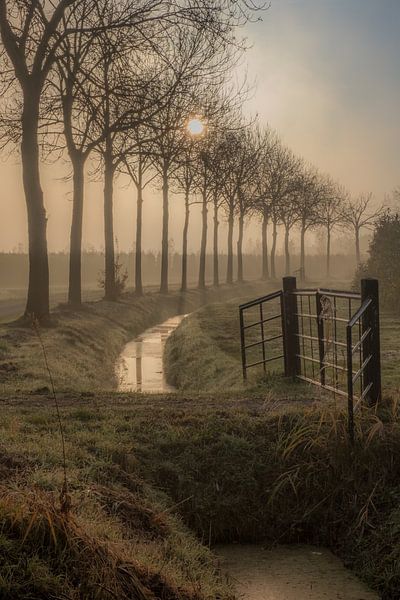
x,y
290,573
140,365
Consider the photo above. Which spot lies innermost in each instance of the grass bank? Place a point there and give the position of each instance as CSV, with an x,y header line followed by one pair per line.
x,y
149,478
203,353
154,481
83,345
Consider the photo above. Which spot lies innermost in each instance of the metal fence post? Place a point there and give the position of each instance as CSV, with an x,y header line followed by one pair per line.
x,y
242,344
371,344
321,344
290,327
350,395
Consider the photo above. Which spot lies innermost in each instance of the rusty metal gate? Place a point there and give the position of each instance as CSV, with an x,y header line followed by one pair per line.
x,y
329,338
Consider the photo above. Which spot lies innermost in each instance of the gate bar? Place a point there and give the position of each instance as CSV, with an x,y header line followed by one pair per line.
x,y
371,344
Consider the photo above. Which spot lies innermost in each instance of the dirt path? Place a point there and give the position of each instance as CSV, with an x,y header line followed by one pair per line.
x,y
290,573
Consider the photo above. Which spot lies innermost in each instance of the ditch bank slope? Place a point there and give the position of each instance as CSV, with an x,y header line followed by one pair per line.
x,y
83,345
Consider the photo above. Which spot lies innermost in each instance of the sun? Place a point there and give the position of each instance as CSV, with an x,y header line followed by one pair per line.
x,y
195,127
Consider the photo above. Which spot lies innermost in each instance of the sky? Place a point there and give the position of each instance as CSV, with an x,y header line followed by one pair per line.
x,y
326,77
328,80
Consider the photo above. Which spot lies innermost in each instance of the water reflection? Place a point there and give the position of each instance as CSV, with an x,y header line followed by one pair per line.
x,y
290,573
140,365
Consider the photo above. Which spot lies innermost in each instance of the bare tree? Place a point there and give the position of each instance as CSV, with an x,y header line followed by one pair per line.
x,y
331,214
263,202
184,177
99,41
200,65
34,37
204,187
128,97
32,33
137,163
308,200
249,152
288,217
30,38
359,214
166,153
280,167
229,191
209,185
70,111
218,175
217,201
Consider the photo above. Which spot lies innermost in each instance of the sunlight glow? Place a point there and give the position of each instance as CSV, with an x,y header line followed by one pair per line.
x,y
195,127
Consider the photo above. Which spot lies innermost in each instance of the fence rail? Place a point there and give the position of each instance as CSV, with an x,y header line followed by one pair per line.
x,y
330,338
259,303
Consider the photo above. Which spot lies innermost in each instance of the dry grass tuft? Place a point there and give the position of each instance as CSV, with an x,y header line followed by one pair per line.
x,y
132,511
74,563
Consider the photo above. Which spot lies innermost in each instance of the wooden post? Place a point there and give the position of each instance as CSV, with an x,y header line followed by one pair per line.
x,y
371,344
290,328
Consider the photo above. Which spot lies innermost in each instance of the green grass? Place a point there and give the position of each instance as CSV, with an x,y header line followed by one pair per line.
x,y
390,355
153,477
203,353
83,345
156,480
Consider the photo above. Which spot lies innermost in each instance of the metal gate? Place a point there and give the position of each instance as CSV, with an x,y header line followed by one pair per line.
x,y
329,338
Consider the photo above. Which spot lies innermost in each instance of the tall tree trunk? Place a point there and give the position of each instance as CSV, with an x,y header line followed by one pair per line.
x,y
203,244
75,253
229,270
302,253
264,247
38,285
273,248
185,243
138,247
215,244
328,253
109,273
358,252
164,241
287,252
240,249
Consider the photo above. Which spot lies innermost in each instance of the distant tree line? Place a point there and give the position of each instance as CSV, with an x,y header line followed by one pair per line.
x,y
14,268
142,89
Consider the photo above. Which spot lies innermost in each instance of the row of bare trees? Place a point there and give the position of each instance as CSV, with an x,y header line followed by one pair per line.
x,y
246,173
111,85
102,79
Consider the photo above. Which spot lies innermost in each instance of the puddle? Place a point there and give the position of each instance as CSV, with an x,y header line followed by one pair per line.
x,y
290,573
140,365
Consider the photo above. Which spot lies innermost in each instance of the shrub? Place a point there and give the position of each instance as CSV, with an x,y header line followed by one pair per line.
x,y
384,259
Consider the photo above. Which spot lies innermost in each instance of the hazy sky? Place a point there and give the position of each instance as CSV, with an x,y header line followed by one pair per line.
x,y
328,80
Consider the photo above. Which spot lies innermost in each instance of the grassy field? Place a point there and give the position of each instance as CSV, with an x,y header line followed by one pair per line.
x,y
204,352
154,481
83,345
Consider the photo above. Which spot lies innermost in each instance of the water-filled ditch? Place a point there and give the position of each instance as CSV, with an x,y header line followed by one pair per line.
x,y
283,573
140,365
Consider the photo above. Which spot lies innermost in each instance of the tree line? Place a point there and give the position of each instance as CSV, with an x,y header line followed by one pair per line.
x,y
143,89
